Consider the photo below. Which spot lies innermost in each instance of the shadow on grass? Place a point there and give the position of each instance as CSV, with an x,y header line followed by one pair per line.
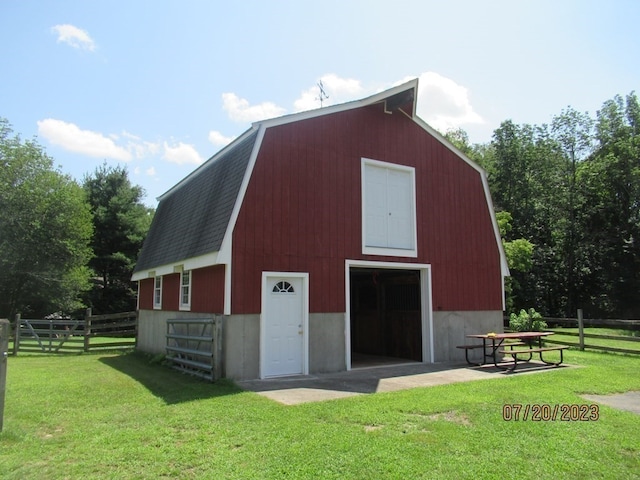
x,y
169,385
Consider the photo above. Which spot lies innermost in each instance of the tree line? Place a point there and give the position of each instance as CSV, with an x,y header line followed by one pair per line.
x,y
567,196
65,246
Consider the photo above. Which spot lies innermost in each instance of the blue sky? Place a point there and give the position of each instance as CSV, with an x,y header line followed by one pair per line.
x,y
160,86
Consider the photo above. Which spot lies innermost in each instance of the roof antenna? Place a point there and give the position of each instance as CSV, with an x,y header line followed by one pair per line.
x,y
322,95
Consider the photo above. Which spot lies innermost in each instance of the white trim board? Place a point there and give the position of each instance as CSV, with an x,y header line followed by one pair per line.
x,y
425,303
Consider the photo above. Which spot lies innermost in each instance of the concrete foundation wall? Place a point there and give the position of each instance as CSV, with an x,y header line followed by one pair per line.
x,y
241,347
241,341
241,338
326,342
152,328
450,329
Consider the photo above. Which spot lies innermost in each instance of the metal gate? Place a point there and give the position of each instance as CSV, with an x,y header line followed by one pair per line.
x,y
95,332
194,346
49,336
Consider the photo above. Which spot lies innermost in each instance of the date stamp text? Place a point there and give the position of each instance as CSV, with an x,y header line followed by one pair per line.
x,y
565,412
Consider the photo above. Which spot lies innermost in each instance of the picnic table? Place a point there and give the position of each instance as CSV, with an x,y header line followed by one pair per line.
x,y
508,344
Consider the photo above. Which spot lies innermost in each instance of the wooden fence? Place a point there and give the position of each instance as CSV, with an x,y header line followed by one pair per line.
x,y
95,332
194,346
4,345
581,323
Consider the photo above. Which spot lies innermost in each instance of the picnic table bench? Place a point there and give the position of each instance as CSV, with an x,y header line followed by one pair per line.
x,y
476,346
530,351
505,344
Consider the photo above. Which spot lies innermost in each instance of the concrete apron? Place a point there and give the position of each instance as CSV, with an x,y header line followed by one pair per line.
x,y
629,401
329,386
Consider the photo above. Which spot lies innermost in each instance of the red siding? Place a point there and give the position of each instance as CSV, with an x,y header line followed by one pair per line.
x,y
302,211
170,291
207,290
145,294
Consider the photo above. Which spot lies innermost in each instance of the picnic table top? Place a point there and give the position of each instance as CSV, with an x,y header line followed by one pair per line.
x,y
502,336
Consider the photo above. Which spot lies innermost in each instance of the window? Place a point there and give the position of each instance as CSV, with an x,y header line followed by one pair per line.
x,y
388,209
185,290
283,287
157,293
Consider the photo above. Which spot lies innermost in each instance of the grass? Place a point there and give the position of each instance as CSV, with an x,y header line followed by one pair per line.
x,y
124,416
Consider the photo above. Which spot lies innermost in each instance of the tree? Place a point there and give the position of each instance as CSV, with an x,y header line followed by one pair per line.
x,y
526,176
519,253
45,230
121,222
477,152
573,132
609,213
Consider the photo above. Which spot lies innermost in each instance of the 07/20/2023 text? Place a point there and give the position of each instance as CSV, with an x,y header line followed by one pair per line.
x,y
565,412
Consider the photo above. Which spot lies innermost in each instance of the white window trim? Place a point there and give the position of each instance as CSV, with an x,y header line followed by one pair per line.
x,y
157,305
185,306
384,251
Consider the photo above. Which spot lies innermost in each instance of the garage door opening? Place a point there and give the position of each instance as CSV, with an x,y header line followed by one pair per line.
x,y
386,316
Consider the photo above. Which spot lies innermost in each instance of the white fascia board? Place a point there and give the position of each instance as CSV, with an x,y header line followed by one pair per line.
x,y
201,261
224,256
226,248
485,186
200,168
447,143
319,112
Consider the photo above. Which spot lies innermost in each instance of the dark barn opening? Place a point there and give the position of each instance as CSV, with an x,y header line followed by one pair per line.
x,y
386,316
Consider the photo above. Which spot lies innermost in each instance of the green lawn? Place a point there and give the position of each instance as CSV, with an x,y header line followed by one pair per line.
x,y
121,416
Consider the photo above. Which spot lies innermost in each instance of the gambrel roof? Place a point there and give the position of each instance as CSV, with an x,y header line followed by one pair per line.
x,y
194,220
191,221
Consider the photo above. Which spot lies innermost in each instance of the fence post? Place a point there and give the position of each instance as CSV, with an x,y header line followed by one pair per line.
x,y
16,336
5,328
50,335
216,345
87,329
581,328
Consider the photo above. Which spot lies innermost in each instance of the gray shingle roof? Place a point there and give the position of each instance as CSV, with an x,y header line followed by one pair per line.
x,y
192,219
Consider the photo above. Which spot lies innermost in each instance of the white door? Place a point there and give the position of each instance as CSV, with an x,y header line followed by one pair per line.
x,y
389,211
283,326
400,206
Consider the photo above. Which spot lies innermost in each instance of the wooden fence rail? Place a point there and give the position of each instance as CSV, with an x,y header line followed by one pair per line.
x,y
95,332
581,323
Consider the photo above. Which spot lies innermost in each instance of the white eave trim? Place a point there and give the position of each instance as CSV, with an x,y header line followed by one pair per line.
x,y
485,185
206,260
201,167
225,248
319,112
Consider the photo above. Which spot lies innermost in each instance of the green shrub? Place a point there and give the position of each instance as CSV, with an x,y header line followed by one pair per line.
x,y
527,321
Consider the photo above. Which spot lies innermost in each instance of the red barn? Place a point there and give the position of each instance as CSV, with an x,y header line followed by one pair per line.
x,y
327,238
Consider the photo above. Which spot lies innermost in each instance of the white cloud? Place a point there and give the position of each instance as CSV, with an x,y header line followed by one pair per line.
x,y
142,149
339,90
74,36
150,172
130,136
181,154
218,139
70,137
444,104
239,109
